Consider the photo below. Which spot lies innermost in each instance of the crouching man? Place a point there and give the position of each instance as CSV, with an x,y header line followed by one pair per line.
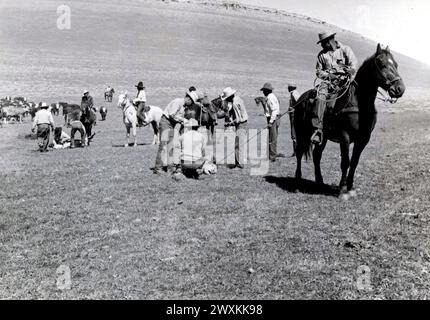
x,y
44,121
193,155
77,125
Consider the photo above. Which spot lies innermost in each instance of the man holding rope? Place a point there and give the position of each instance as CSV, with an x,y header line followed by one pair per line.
x,y
333,61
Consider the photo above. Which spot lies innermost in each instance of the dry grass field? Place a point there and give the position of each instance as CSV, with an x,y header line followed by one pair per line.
x,y
127,233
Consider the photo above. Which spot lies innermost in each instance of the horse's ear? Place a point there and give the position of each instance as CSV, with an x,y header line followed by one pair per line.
x,y
378,48
387,49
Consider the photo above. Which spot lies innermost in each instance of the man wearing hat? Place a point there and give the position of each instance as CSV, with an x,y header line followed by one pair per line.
x,y
44,121
334,57
86,101
192,150
271,111
140,102
170,125
294,98
236,116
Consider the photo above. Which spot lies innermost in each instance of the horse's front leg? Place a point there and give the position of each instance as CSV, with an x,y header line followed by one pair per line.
x,y
344,152
299,155
316,156
356,153
134,126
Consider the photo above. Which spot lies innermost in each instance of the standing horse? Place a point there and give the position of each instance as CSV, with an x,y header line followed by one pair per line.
x,y
89,119
353,119
207,113
129,116
152,115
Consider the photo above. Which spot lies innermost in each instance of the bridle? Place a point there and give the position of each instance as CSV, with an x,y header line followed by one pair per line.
x,y
387,82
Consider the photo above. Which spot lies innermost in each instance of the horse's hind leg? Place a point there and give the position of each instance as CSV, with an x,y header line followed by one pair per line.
x,y
316,156
299,155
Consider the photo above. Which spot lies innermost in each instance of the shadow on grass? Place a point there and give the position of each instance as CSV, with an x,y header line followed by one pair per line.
x,y
130,145
303,186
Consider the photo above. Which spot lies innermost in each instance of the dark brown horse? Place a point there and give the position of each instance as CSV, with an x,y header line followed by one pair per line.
x,y
207,113
353,118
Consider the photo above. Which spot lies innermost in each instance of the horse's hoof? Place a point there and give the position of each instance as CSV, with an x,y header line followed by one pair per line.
x,y
345,196
352,193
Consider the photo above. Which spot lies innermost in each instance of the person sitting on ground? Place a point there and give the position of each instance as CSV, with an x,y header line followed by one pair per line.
x,y
61,139
192,150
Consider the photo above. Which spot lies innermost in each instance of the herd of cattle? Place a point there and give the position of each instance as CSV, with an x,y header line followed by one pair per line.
x,y
18,109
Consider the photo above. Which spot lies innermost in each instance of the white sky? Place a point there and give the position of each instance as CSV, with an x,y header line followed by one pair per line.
x,y
404,25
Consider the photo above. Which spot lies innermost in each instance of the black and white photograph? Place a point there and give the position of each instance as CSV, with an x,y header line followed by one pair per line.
x,y
214,150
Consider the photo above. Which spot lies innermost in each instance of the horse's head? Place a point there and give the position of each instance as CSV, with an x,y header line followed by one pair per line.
x,y
122,100
387,73
261,101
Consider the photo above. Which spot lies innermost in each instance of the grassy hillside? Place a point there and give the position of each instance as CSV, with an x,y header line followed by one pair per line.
x,y
168,46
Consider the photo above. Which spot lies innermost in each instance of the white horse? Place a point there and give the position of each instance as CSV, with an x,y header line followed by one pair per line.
x,y
153,116
129,116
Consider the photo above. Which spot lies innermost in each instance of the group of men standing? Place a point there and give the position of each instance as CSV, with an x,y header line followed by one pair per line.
x,y
333,60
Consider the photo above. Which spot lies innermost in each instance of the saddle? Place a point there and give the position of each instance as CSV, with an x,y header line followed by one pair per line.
x,y
207,107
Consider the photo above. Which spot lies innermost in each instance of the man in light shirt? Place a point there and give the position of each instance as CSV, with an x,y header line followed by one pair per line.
x,y
294,98
192,150
237,117
170,125
44,122
271,111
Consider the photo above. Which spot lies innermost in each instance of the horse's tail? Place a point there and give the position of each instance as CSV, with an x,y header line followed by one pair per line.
x,y
303,124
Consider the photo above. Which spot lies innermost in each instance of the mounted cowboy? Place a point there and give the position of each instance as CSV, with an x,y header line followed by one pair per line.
x,y
140,102
86,101
334,61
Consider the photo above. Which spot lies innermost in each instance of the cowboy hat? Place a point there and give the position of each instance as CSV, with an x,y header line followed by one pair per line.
x,y
193,95
227,93
86,91
140,85
44,105
267,86
324,36
292,85
189,123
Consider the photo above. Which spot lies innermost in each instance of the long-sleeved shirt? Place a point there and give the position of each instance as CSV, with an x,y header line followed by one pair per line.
x,y
237,110
141,96
192,146
175,110
43,116
87,102
339,58
271,107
